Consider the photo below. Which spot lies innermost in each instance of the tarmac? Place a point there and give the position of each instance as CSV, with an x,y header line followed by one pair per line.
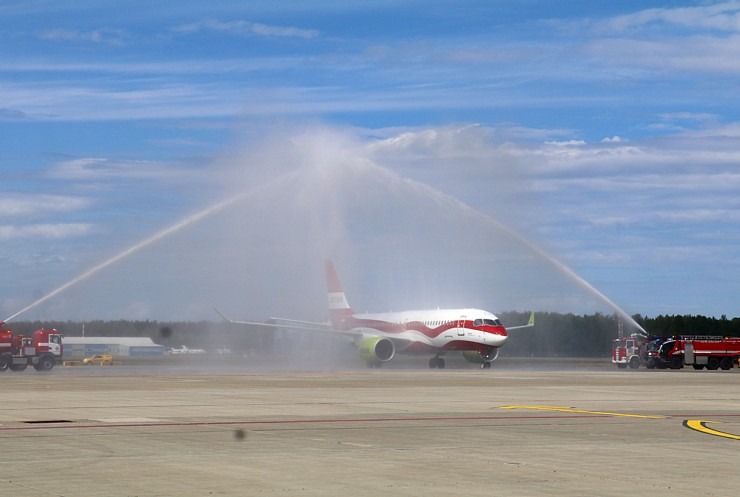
x,y
524,428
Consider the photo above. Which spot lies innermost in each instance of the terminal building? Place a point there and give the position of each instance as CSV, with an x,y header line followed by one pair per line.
x,y
116,346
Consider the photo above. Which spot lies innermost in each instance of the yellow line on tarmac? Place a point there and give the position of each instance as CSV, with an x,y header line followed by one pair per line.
x,y
699,425
581,411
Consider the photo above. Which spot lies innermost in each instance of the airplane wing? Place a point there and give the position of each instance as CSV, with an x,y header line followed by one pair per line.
x,y
291,324
528,325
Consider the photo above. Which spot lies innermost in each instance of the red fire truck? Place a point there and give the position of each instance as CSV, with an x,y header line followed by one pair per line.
x,y
637,350
701,352
42,350
628,351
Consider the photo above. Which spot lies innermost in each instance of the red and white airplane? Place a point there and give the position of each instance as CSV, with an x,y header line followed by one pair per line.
x,y
476,333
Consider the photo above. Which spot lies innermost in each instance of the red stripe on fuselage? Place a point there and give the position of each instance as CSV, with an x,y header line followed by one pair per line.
x,y
397,328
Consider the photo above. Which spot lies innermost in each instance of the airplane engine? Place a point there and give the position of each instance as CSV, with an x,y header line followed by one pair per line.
x,y
479,357
376,350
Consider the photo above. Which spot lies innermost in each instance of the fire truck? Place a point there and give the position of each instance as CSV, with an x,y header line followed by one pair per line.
x,y
628,351
700,352
635,351
42,350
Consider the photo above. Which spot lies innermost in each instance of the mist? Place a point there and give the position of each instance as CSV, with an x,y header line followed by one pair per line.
x,y
289,197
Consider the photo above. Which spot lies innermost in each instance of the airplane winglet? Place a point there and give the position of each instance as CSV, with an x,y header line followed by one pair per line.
x,y
228,320
529,324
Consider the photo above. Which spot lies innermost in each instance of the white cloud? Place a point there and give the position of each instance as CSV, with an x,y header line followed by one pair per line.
x,y
99,169
688,116
241,27
44,231
23,205
695,53
566,143
723,16
108,36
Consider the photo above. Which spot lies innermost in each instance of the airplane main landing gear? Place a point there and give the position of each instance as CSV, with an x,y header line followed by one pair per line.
x,y
485,365
437,362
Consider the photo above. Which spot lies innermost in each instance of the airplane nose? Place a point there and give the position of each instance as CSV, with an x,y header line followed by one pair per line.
x,y
496,338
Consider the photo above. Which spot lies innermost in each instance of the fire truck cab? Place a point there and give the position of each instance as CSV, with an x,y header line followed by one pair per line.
x,y
626,351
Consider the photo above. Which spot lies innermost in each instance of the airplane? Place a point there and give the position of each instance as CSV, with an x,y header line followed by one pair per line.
x,y
186,350
478,334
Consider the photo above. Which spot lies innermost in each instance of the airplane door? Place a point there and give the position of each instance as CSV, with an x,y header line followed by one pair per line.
x,y
461,326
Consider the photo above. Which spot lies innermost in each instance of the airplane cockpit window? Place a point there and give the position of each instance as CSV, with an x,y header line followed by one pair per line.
x,y
487,322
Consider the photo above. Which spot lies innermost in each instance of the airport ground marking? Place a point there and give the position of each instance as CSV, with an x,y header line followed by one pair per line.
x,y
701,426
572,410
268,422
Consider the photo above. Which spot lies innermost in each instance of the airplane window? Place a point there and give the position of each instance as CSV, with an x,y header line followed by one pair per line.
x,y
488,322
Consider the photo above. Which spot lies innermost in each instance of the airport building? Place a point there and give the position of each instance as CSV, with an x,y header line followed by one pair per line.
x,y
116,346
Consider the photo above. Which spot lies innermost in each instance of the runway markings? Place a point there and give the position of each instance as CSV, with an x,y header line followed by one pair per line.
x,y
701,426
154,422
274,422
128,420
581,411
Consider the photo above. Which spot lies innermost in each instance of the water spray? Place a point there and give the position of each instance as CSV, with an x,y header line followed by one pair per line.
x,y
433,193
537,250
192,219
568,272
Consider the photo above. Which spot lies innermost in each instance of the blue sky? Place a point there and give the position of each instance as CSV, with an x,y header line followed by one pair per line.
x,y
606,133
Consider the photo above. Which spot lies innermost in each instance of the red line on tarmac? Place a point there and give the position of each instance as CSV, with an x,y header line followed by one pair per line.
x,y
564,415
288,421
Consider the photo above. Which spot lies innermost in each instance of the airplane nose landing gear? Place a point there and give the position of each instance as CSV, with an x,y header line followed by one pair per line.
x,y
436,362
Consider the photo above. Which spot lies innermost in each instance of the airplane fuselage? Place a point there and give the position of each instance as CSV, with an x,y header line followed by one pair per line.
x,y
427,331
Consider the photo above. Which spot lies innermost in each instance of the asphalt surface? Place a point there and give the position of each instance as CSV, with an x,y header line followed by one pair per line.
x,y
526,428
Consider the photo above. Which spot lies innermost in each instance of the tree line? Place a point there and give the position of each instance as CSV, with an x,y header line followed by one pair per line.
x,y
570,335
554,334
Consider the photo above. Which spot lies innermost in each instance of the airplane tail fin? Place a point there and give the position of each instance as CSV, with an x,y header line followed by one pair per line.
x,y
338,306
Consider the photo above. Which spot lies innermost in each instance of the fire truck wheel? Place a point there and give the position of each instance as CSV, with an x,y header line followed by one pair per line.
x,y
676,362
44,364
712,363
635,362
4,361
725,363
